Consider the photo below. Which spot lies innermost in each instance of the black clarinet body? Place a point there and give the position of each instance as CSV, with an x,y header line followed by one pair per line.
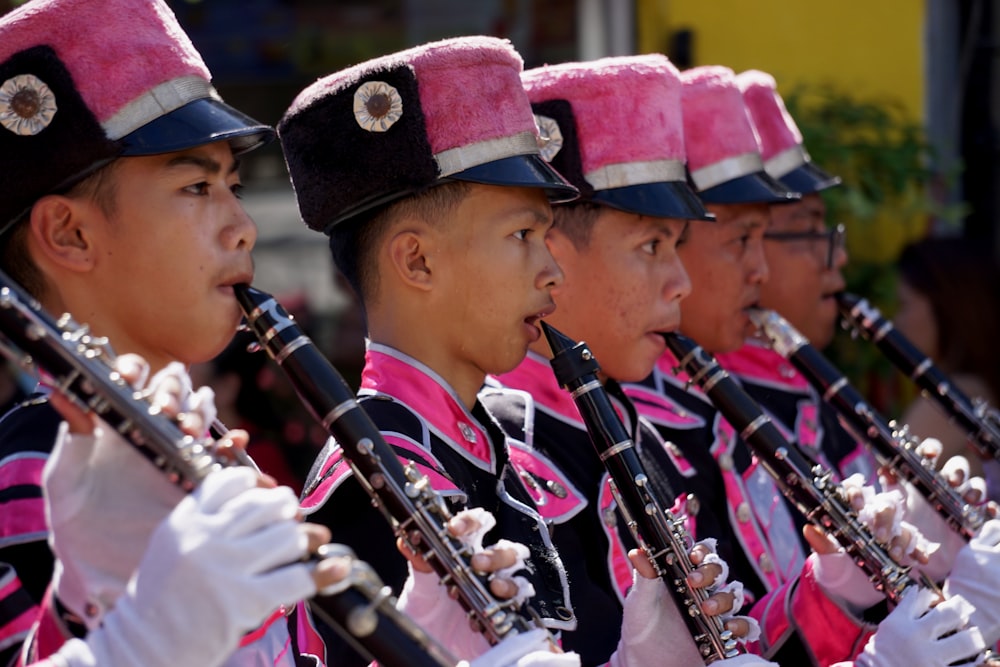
x,y
416,511
661,535
810,488
363,610
892,447
81,367
975,417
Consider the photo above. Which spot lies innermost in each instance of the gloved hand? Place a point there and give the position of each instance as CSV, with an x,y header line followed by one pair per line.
x,y
920,513
223,560
916,634
653,630
427,601
976,577
103,499
530,649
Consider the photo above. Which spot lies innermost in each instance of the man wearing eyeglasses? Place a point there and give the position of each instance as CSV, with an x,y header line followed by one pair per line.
x,y
804,257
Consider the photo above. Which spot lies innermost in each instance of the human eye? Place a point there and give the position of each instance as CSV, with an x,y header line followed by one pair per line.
x,y
237,190
682,238
651,246
200,189
522,234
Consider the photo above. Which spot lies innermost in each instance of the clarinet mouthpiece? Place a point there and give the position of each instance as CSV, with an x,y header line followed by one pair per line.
x,y
557,340
571,360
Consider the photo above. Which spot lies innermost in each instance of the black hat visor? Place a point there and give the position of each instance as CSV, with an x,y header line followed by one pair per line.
x,y
754,188
665,199
199,122
808,178
526,171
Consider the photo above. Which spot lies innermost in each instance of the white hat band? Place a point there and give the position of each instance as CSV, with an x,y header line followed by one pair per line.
x,y
726,170
155,102
635,173
455,160
785,161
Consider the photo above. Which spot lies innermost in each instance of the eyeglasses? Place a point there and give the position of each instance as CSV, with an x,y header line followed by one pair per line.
x,y
834,237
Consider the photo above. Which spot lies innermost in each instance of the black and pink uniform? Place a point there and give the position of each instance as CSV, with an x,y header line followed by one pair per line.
x,y
554,454
799,624
465,456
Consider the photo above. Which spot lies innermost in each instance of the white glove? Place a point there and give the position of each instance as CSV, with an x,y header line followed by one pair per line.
x,y
920,513
427,602
915,634
653,632
530,649
844,582
424,599
224,559
102,501
976,577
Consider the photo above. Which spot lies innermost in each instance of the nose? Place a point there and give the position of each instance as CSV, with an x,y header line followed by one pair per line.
x,y
840,256
241,231
551,274
678,285
757,271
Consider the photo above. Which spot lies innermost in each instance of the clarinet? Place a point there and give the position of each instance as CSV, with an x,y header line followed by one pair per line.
x,y
80,366
417,512
893,447
809,487
363,611
975,416
660,535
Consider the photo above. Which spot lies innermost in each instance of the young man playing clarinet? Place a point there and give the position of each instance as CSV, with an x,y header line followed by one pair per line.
x,y
423,168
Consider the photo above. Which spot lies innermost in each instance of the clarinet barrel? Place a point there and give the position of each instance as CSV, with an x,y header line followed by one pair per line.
x,y
661,535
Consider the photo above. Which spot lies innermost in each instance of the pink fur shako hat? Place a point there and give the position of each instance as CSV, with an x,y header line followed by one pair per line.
x,y
723,159
83,82
779,139
616,152
391,127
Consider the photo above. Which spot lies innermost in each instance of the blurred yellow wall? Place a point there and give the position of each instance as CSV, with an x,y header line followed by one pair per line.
x,y
871,47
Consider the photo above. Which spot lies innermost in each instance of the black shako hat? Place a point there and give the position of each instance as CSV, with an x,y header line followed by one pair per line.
x,y
391,127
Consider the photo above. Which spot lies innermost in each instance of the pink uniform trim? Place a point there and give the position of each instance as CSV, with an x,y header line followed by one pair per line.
x,y
388,371
534,375
23,520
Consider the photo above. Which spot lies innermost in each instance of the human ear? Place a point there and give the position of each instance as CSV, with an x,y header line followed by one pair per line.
x,y
409,253
59,233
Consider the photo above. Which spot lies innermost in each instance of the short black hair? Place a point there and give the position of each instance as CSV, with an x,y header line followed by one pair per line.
x,y
576,220
101,187
353,243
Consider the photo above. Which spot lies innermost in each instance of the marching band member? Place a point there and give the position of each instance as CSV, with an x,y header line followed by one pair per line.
x,y
623,281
